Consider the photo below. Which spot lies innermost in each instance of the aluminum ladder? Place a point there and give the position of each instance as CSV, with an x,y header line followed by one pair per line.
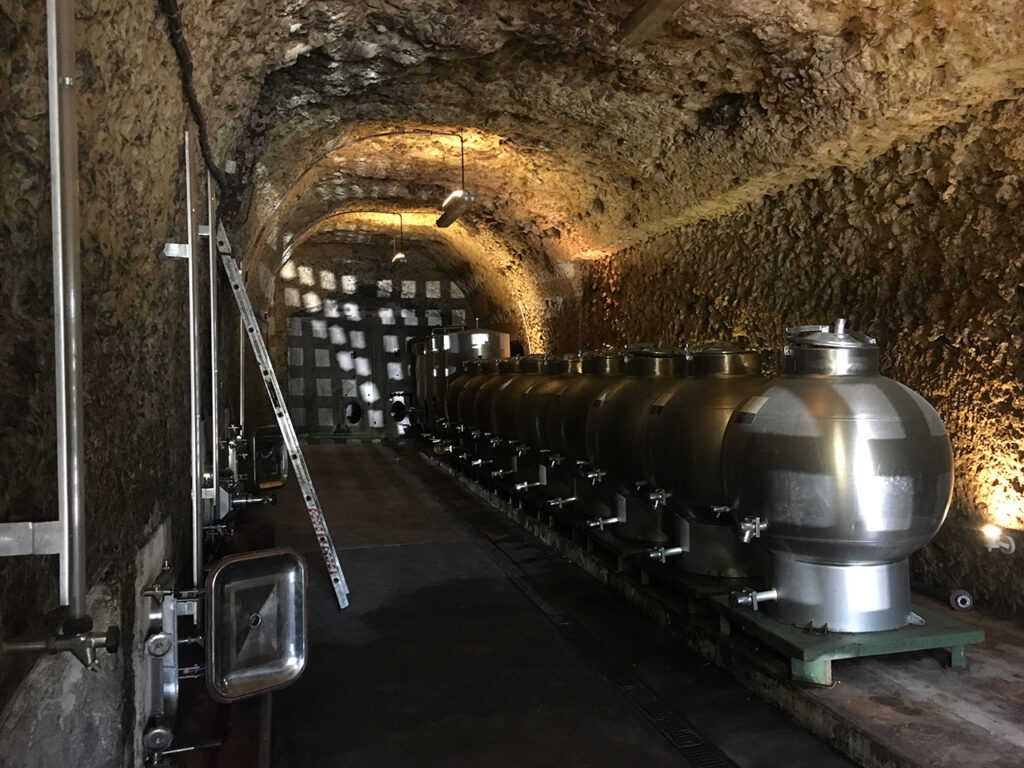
x,y
284,420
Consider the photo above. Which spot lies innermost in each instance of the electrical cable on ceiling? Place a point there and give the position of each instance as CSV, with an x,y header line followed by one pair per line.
x,y
176,32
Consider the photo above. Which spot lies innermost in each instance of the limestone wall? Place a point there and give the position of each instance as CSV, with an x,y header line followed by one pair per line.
x,y
923,248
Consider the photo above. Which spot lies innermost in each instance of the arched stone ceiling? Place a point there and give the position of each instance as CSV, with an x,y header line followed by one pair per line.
x,y
589,125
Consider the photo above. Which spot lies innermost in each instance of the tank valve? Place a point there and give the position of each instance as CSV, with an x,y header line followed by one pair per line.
x,y
561,502
451,449
659,497
525,486
601,522
663,552
554,460
480,462
752,528
251,500
502,472
475,433
751,597
496,441
595,476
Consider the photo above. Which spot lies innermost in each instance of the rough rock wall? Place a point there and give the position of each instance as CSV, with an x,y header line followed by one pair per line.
x,y
923,249
131,116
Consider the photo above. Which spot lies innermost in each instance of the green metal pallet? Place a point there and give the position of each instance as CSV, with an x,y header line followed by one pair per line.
x,y
811,654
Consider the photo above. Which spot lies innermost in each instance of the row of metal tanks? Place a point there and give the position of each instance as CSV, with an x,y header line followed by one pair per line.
x,y
815,485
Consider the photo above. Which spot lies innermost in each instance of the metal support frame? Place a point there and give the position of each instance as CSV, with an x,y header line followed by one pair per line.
x,y
195,405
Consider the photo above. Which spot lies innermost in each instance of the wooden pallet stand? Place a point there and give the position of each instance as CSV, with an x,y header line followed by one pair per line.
x,y
811,654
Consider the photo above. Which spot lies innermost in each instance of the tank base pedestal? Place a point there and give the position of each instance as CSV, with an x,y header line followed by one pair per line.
x,y
811,654
840,598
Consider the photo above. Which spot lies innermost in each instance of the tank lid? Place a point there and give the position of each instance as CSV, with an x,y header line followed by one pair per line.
x,y
834,336
724,358
559,365
509,364
830,350
654,350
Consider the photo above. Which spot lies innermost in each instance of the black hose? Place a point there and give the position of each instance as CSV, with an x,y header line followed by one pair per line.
x,y
176,32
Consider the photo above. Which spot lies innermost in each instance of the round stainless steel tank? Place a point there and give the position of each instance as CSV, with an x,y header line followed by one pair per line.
x,y
682,450
618,413
464,414
615,437
450,347
567,427
508,397
470,370
534,414
852,472
508,368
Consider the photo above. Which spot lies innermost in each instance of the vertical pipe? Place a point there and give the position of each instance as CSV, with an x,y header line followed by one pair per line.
x,y
67,307
194,371
214,371
241,377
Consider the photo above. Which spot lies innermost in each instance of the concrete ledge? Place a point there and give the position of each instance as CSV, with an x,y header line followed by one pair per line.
x,y
907,710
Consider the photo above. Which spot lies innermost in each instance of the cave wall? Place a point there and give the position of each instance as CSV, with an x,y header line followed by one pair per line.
x,y
131,116
923,248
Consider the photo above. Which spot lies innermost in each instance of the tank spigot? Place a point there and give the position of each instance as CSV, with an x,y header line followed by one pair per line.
x,y
480,462
752,528
554,460
525,486
476,434
601,522
659,498
496,441
460,428
502,472
752,598
561,502
251,500
595,476
452,449
660,553
520,448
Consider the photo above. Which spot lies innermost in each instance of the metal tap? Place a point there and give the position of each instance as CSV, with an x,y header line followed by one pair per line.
x,y
660,553
561,502
751,597
601,522
480,462
752,528
502,472
595,476
659,497
525,486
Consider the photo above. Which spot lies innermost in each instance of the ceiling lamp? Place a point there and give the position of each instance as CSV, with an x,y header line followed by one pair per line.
x,y
458,202
399,242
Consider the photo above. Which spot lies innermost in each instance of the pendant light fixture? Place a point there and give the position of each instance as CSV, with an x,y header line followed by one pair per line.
x,y
458,202
399,242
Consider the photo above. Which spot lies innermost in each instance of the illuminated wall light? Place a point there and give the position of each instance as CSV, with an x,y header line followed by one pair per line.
x,y
996,540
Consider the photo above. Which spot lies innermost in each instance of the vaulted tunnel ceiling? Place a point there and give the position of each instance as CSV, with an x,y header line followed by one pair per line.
x,y
589,126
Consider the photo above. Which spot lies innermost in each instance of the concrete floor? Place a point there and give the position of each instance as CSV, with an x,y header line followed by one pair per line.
x,y
469,643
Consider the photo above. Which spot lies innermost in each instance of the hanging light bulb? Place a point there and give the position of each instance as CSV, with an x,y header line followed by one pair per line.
x,y
458,202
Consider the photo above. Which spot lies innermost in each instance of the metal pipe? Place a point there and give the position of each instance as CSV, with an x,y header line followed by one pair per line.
x,y
214,369
241,378
194,381
67,306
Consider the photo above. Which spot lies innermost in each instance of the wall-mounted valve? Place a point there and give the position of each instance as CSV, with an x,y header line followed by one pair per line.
x,y
82,646
561,502
526,486
242,500
661,553
659,498
601,522
752,598
752,528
